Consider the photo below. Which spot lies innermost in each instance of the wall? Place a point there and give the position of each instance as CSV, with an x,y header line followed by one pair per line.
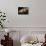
x,y
28,23
37,19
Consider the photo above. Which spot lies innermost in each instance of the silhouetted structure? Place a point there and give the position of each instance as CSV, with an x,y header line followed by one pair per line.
x,y
8,41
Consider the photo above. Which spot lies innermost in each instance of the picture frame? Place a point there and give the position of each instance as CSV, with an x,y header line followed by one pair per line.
x,y
23,10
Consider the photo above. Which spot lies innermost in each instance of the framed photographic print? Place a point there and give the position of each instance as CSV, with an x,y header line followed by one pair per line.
x,y
23,10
